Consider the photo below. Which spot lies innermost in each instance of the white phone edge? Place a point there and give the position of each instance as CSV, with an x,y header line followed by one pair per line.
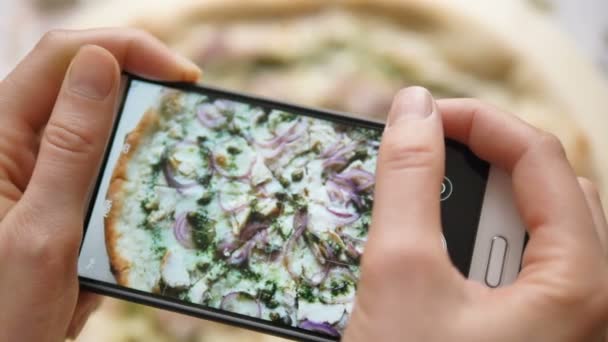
x,y
499,223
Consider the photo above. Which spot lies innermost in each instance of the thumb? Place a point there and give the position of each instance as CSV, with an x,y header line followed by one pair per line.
x,y
75,136
409,174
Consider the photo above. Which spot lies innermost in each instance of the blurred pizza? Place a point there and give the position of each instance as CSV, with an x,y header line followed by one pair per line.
x,y
353,55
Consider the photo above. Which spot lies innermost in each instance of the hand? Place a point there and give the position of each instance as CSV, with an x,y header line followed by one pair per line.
x,y
409,290
56,112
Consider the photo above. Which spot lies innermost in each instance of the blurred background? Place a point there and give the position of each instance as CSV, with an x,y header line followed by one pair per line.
x,y
545,60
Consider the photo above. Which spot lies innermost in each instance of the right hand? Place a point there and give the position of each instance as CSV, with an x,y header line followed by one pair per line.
x,y
410,291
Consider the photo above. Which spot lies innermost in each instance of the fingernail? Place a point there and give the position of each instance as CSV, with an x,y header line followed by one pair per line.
x,y
193,71
92,73
411,103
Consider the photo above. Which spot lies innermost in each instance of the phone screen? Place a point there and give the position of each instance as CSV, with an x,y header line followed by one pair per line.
x,y
253,210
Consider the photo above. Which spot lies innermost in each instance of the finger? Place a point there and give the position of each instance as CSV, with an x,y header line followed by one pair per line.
x,y
74,140
87,304
40,74
409,174
549,198
597,212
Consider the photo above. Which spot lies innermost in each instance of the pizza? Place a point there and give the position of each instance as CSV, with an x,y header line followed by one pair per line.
x,y
248,209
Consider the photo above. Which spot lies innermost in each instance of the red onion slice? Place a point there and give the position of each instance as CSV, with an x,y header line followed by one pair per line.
x,y
354,246
334,161
251,229
300,223
332,148
169,174
343,217
242,303
210,116
257,114
241,255
172,181
338,156
317,278
335,192
272,154
323,328
183,231
225,105
342,191
296,132
290,134
361,179
226,248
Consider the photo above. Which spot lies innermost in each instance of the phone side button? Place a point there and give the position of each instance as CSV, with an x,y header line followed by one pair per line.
x,y
496,261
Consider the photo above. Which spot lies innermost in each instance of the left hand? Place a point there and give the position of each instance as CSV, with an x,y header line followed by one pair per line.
x,y
56,113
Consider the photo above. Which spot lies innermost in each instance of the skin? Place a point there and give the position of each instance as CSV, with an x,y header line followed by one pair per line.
x,y
56,112
409,290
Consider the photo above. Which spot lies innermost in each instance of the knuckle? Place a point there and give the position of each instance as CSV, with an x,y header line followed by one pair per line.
x,y
135,36
549,143
138,33
475,103
566,291
403,154
53,38
68,137
395,256
581,297
40,249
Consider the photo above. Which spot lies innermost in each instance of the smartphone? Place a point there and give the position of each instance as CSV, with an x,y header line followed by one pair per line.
x,y
255,213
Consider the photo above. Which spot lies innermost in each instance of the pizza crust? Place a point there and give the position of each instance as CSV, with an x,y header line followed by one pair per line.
x,y
145,128
119,264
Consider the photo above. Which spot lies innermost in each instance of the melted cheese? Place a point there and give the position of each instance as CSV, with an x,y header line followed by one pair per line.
x,y
319,312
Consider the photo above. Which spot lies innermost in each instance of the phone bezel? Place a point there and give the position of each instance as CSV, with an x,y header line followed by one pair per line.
x,y
499,218
478,262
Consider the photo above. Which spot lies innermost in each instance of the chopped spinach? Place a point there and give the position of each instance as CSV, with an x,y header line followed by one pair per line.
x,y
306,292
275,317
284,181
205,153
297,175
367,133
203,231
205,199
247,273
205,180
166,290
360,154
339,287
266,295
233,150
281,196
262,118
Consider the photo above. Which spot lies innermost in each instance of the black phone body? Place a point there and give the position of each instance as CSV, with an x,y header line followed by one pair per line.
x,y
229,220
